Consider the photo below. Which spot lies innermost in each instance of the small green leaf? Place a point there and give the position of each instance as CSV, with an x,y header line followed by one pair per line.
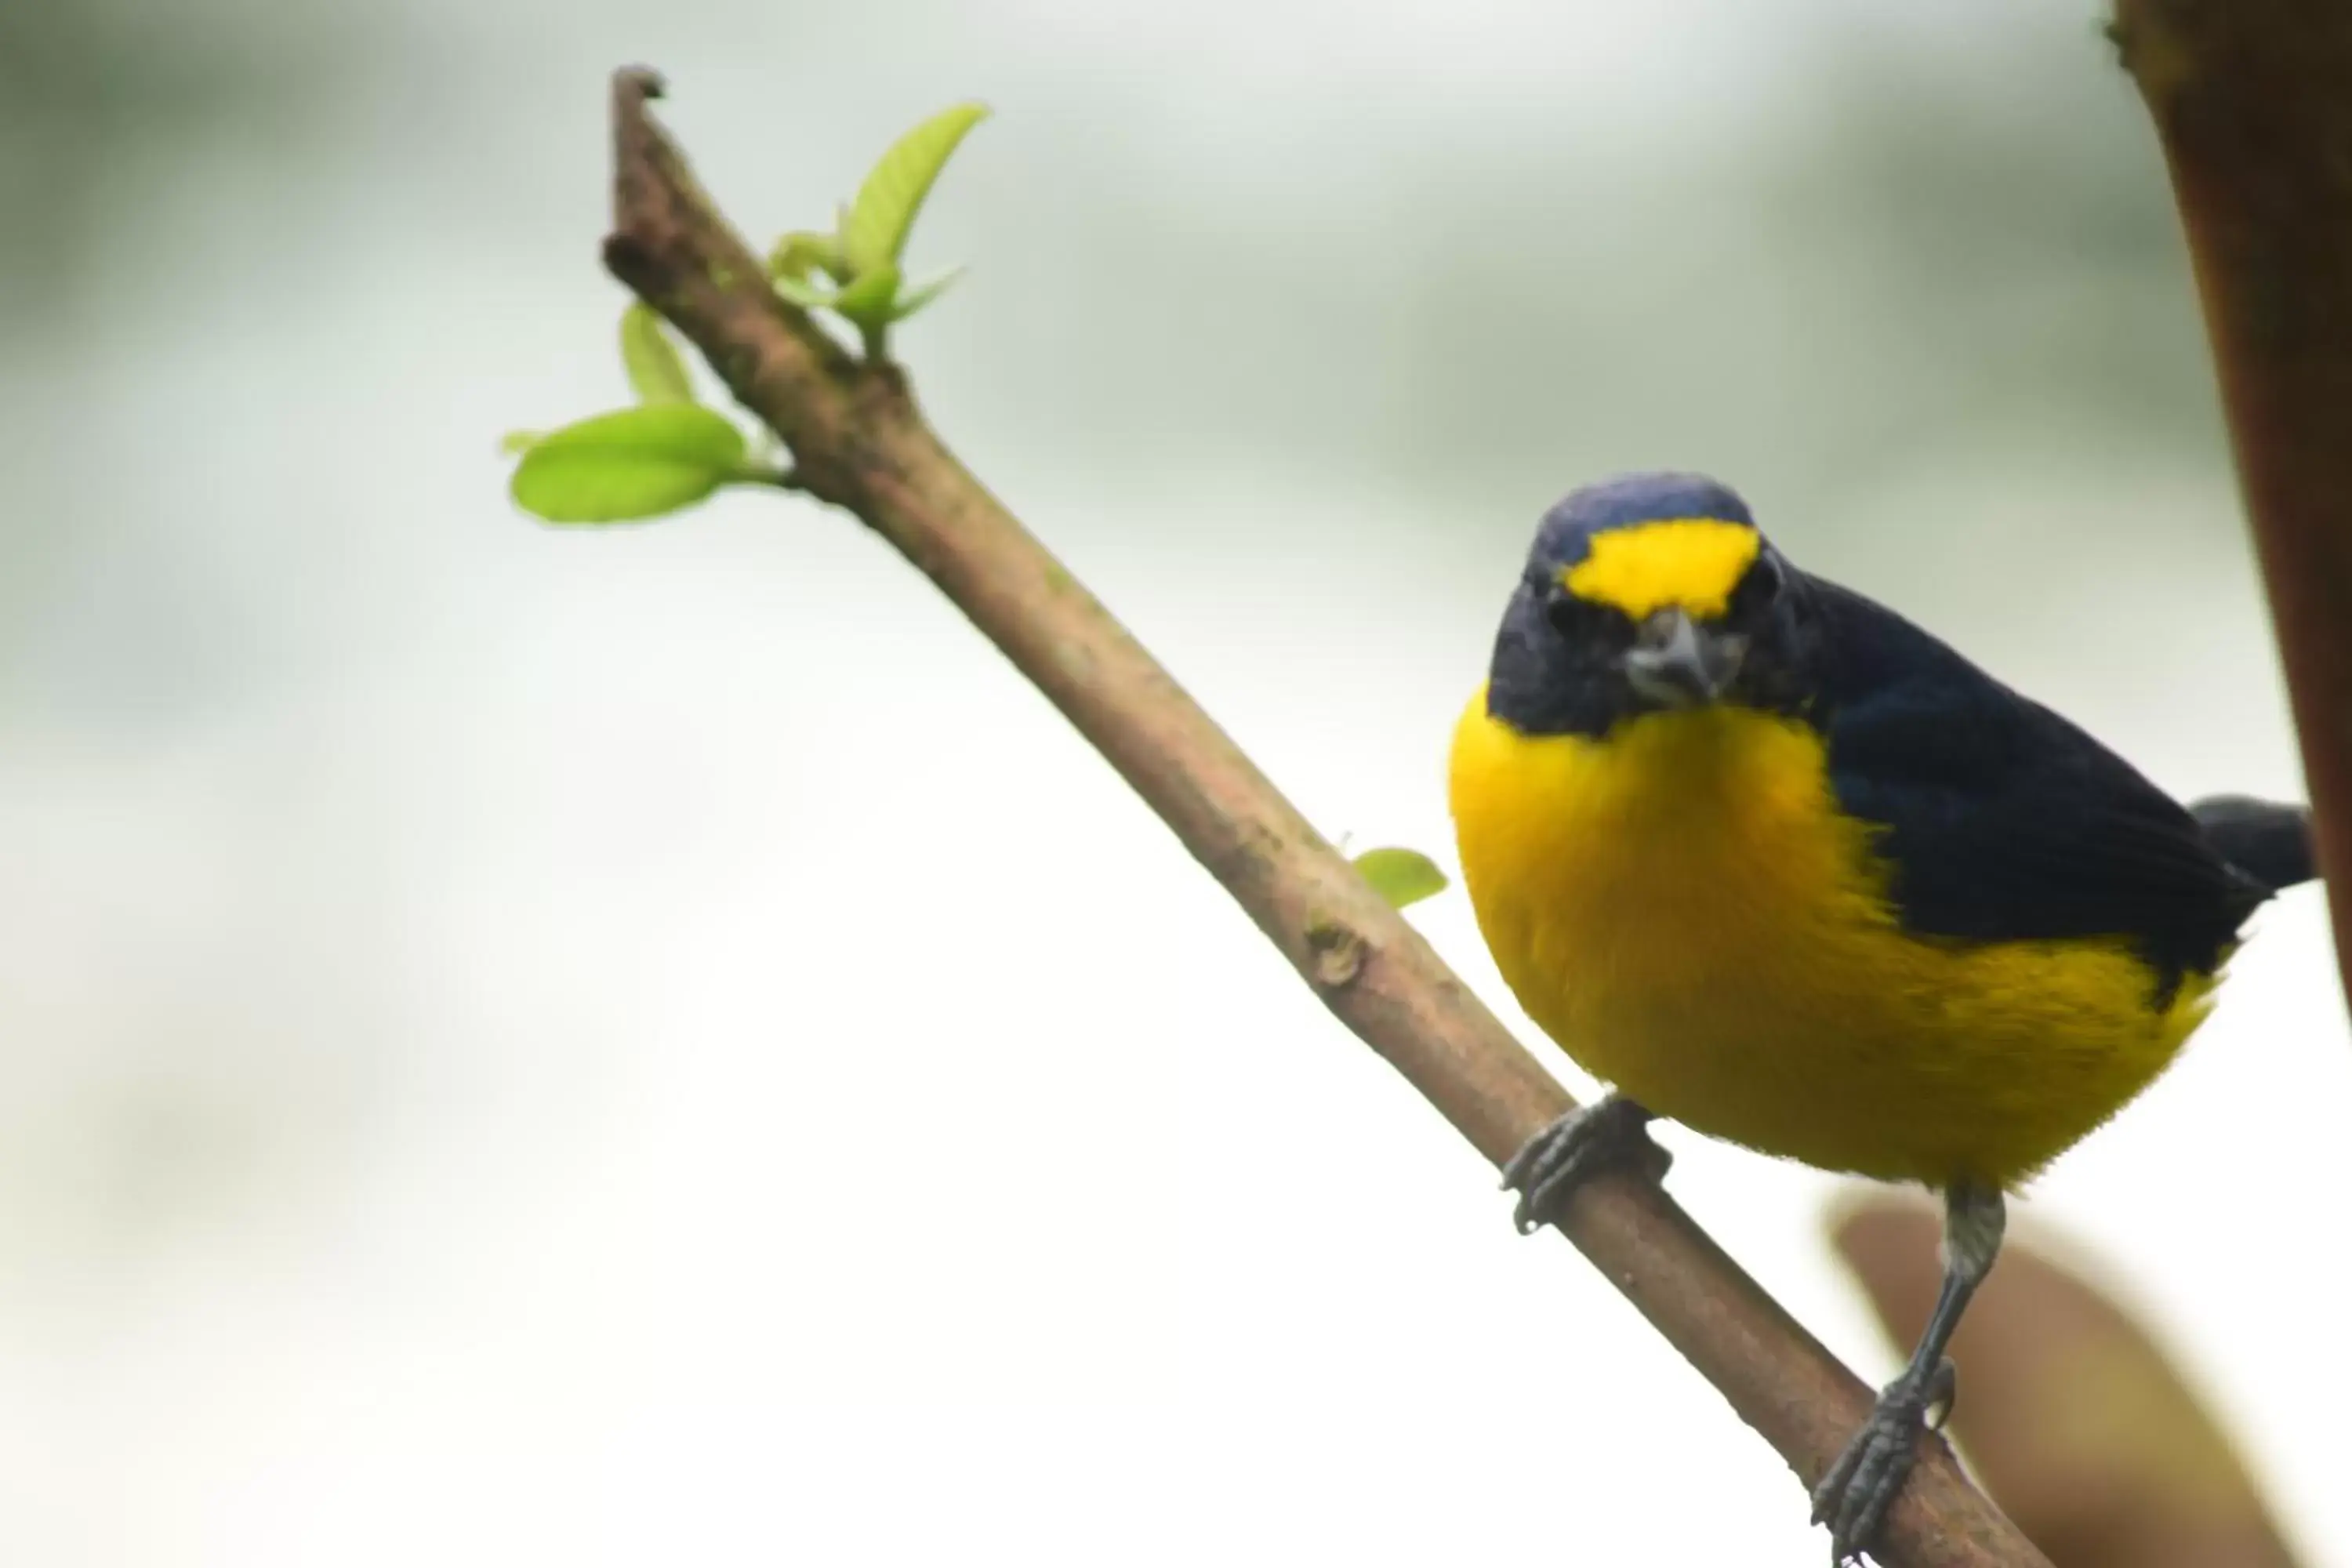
x,y
803,255
806,295
635,463
516,442
1402,877
923,293
870,301
656,374
874,231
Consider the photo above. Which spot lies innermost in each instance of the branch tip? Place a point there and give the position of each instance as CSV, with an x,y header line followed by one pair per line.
x,y
632,86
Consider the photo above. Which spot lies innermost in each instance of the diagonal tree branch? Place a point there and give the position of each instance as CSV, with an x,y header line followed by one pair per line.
x,y
859,440
2253,102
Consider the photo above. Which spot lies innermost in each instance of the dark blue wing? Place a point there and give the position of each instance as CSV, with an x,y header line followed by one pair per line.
x,y
2002,820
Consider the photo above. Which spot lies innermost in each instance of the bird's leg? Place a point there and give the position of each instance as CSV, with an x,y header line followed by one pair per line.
x,y
1854,1498
1610,1133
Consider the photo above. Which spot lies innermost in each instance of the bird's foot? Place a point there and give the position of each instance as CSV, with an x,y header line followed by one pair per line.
x,y
1611,1133
1854,1496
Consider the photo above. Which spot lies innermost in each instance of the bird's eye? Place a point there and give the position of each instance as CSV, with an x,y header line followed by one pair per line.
x,y
1760,587
1569,615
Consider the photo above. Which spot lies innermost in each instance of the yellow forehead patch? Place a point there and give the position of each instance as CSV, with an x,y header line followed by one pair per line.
x,y
1692,562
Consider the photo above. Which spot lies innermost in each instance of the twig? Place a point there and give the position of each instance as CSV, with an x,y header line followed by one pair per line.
x,y
2253,101
859,440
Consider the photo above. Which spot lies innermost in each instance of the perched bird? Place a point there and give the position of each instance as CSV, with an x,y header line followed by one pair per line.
x,y
1773,862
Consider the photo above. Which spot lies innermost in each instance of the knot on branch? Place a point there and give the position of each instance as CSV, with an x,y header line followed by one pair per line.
x,y
1336,955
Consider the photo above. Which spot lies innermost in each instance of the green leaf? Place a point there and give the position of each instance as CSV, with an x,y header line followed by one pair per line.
x,y
802,255
870,301
923,293
635,463
656,374
875,231
1402,877
516,442
806,295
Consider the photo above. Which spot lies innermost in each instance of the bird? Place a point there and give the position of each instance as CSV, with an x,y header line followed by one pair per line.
x,y
1776,863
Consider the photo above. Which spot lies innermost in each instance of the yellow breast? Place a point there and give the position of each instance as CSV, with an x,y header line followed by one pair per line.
x,y
1683,907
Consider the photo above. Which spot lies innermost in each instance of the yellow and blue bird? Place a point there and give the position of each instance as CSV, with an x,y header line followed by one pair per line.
x,y
1773,862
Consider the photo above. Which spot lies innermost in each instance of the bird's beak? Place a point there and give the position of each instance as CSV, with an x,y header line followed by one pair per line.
x,y
1675,662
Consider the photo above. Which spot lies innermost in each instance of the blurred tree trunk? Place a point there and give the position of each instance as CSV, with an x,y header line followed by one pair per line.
x,y
2253,102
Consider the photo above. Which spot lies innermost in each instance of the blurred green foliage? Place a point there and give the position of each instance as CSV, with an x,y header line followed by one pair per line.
x,y
100,99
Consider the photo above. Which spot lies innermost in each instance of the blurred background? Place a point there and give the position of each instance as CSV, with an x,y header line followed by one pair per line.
x,y
653,1044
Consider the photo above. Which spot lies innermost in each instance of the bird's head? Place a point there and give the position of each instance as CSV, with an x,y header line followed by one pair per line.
x,y
1646,593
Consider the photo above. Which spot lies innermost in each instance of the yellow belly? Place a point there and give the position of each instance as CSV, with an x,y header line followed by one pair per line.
x,y
1684,908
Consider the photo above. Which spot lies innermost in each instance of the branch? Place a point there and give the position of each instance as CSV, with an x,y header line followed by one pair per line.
x,y
858,441
2253,102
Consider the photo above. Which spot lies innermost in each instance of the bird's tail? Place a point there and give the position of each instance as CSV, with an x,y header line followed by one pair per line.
x,y
2264,841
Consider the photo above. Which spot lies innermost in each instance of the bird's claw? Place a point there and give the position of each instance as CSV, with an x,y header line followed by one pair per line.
x,y
1943,1388
1854,1498
1610,1133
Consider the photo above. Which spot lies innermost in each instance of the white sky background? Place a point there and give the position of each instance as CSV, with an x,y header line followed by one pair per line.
x,y
656,1046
